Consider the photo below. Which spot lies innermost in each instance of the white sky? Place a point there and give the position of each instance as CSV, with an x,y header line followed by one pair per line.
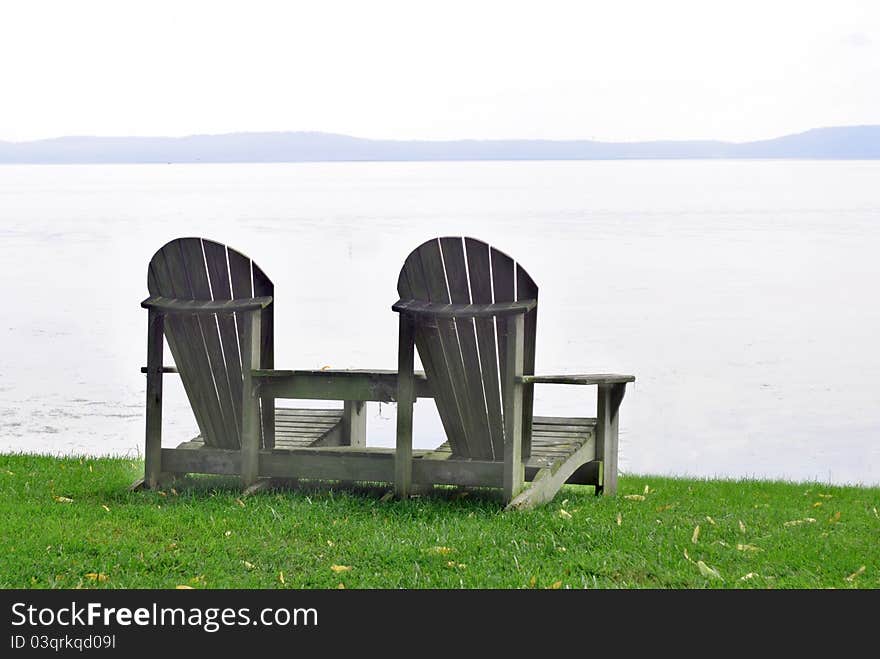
x,y
612,70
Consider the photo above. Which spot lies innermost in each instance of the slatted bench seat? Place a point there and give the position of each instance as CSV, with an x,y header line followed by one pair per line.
x,y
297,428
554,440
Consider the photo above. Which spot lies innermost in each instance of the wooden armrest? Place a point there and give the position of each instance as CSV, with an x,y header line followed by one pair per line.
x,y
439,310
596,378
356,373
173,305
164,369
360,385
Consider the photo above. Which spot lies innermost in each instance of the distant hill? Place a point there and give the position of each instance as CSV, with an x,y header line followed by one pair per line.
x,y
845,142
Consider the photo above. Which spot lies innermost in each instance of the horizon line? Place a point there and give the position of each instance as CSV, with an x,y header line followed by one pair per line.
x,y
432,140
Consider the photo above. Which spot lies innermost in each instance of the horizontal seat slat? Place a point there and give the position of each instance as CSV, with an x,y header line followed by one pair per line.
x,y
564,420
322,421
290,412
561,429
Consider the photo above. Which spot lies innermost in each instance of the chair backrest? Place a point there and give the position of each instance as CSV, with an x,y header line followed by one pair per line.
x,y
464,358
207,348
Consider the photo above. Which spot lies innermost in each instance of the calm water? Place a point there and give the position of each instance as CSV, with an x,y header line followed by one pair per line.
x,y
743,295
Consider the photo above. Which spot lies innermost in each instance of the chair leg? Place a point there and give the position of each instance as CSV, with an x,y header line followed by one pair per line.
x,y
514,470
250,408
405,401
608,405
153,443
259,485
354,423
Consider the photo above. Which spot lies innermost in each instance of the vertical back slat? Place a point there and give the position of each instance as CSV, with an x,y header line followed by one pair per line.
x,y
240,274
459,291
218,274
191,342
240,282
502,284
526,289
481,293
411,285
196,269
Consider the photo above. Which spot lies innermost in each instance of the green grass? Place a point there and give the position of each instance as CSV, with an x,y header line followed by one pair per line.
x,y
67,523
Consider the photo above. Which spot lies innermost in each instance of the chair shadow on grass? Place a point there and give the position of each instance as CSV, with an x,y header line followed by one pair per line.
x,y
206,486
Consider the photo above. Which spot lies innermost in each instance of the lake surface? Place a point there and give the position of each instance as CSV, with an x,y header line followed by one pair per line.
x,y
742,294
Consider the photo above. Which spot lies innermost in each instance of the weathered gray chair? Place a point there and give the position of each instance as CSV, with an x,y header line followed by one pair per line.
x,y
215,308
471,312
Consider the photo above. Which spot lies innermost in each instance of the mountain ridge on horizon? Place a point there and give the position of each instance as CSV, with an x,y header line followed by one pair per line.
x,y
836,142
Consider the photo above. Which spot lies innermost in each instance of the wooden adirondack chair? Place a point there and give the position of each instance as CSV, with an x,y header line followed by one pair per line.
x,y
471,312
215,308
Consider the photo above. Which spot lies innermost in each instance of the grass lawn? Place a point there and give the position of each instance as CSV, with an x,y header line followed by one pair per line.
x,y
67,523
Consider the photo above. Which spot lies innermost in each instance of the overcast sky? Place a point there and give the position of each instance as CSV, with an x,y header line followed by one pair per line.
x,y
621,70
